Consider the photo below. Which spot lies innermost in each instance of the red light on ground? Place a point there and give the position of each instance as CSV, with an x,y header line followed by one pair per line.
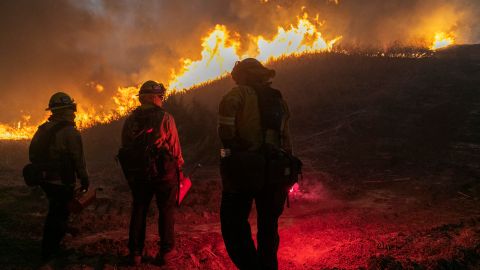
x,y
295,188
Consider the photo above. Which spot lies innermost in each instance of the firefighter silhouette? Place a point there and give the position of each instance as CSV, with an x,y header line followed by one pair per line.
x,y
151,159
56,149
247,128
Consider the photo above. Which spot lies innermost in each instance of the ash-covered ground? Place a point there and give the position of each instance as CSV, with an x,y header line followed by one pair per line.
x,y
391,148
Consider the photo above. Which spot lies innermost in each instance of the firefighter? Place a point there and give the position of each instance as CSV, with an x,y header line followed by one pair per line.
x,y
150,127
57,145
247,128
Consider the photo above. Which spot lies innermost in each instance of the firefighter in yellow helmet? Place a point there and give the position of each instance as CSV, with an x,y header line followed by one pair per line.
x,y
57,148
252,122
151,159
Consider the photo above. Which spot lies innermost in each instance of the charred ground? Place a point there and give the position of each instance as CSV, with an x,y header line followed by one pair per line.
x,y
392,166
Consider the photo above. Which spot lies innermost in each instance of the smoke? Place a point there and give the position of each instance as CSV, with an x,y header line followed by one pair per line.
x,y
89,48
380,23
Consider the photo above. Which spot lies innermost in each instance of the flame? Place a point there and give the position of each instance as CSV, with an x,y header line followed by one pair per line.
x,y
220,51
300,39
442,40
219,54
18,131
99,88
218,57
124,101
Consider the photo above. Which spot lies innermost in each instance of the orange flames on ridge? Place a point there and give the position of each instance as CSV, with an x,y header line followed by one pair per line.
x,y
300,39
124,101
219,55
220,51
442,40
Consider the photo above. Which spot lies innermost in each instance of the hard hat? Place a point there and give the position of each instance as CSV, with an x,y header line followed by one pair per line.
x,y
60,100
250,63
251,67
152,87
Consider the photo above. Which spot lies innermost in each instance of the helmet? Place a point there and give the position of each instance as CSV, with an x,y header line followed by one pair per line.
x,y
251,69
60,100
152,87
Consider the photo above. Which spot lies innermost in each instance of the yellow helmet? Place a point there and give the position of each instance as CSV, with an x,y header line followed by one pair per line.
x,y
60,100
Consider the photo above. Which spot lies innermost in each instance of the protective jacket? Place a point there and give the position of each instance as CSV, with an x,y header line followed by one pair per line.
x,y
167,136
239,122
66,149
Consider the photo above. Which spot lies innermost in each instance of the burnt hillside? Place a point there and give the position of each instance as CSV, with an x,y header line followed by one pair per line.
x,y
371,112
349,112
391,148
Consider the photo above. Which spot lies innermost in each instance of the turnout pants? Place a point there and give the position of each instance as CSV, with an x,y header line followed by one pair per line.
x,y
57,218
143,192
234,211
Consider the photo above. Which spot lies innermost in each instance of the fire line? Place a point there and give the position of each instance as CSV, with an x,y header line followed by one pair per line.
x,y
220,51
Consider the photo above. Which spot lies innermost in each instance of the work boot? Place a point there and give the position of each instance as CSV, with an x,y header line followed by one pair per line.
x,y
170,255
74,232
135,259
163,257
45,266
46,263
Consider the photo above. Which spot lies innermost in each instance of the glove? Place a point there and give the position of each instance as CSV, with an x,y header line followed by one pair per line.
x,y
84,185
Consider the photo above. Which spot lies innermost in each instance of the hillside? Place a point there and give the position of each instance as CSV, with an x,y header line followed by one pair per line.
x,y
391,148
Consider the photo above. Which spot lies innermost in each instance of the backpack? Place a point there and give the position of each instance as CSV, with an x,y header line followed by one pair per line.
x,y
271,108
35,172
282,167
141,158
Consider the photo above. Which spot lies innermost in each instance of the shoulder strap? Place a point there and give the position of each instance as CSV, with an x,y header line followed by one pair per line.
x,y
157,121
262,96
56,128
150,121
50,136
